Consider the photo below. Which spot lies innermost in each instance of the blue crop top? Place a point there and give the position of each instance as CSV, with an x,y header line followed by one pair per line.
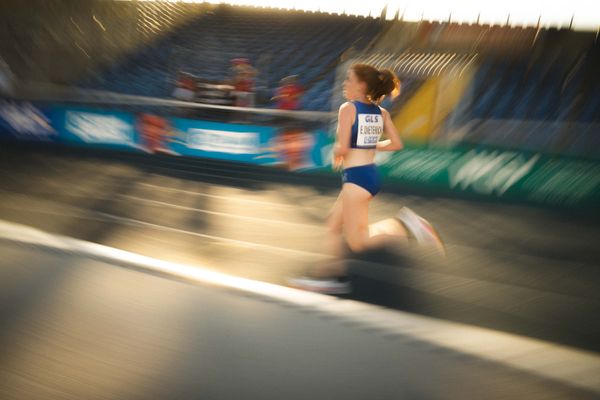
x,y
367,127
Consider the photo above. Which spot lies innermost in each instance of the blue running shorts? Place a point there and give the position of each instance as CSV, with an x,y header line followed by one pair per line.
x,y
365,176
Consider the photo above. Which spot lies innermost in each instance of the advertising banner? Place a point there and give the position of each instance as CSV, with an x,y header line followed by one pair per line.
x,y
99,128
301,150
500,174
488,172
22,120
290,148
233,142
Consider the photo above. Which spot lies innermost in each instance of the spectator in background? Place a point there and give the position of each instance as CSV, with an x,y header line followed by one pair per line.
x,y
288,94
243,79
185,87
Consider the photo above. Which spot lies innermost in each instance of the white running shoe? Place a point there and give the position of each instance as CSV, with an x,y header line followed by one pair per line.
x,y
421,229
338,285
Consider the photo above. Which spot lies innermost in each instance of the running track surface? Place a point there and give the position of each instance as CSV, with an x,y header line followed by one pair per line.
x,y
521,270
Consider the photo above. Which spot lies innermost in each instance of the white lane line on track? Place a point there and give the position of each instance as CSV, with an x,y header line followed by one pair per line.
x,y
556,362
179,207
101,216
15,178
214,196
222,214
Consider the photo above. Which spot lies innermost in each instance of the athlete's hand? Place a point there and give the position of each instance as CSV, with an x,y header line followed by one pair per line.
x,y
338,161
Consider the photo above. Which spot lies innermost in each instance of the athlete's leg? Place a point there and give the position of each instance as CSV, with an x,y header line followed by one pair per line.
x,y
390,227
328,276
350,215
359,235
355,210
335,222
333,244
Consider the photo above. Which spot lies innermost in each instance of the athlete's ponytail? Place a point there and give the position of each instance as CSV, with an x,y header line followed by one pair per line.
x,y
380,83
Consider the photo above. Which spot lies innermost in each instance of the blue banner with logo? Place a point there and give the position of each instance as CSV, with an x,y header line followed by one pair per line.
x,y
291,148
294,148
22,120
490,172
236,142
98,128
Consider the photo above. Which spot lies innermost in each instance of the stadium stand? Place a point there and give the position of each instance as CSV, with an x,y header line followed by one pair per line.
x,y
304,44
547,104
533,89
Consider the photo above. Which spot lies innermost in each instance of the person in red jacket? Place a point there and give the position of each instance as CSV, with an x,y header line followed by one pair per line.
x,y
289,93
243,82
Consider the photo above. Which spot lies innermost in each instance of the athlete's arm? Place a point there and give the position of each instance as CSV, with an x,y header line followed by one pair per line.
x,y
393,141
346,117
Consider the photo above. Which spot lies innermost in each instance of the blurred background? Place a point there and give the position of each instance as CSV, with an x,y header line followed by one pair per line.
x,y
148,145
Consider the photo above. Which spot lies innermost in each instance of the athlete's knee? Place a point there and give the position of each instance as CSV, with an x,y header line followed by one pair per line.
x,y
356,245
334,224
356,241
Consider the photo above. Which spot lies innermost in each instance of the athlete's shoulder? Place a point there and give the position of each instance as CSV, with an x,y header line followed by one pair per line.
x,y
347,109
349,105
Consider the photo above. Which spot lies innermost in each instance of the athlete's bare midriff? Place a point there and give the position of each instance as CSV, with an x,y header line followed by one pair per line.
x,y
358,157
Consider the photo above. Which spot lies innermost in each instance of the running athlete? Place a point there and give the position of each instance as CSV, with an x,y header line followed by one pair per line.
x,y
361,125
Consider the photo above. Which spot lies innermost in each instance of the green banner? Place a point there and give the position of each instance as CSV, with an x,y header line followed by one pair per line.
x,y
504,174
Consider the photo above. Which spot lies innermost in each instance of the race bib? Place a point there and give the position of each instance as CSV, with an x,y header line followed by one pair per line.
x,y
370,129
